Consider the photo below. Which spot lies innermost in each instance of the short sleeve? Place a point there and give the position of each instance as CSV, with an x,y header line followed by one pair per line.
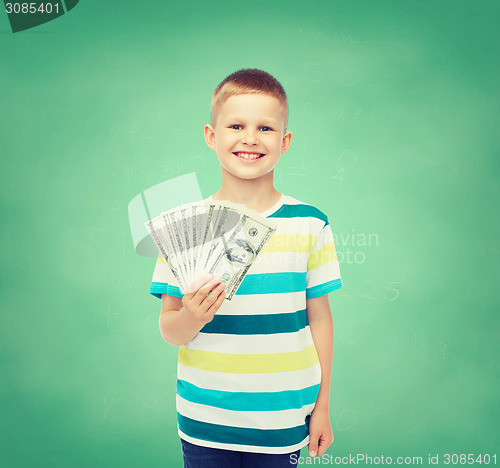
x,y
164,281
323,271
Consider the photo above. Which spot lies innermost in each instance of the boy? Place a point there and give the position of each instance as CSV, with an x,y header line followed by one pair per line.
x,y
254,373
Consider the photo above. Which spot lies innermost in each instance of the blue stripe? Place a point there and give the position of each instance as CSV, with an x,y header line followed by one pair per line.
x,y
264,283
324,288
157,289
300,211
248,401
243,436
257,324
272,283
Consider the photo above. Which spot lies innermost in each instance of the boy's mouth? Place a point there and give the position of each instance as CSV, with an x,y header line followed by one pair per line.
x,y
248,156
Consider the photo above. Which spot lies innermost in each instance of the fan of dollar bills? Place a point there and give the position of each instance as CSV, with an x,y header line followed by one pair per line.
x,y
210,236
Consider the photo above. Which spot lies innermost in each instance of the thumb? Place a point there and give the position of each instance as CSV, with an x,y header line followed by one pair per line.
x,y
313,445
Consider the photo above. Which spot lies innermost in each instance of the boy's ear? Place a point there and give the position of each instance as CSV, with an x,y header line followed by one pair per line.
x,y
285,143
210,137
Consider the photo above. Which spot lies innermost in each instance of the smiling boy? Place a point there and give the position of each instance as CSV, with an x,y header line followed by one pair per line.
x,y
254,373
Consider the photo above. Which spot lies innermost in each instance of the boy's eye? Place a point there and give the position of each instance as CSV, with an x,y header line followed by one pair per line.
x,y
239,127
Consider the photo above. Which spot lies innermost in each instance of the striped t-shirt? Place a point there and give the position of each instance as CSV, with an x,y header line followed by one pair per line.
x,y
249,379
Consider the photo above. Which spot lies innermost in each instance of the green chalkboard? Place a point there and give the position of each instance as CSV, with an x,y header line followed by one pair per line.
x,y
394,109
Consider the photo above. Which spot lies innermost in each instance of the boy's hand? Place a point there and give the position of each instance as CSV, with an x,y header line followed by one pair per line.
x,y
320,432
204,297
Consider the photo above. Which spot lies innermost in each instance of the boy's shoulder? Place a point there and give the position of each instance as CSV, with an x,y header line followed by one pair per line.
x,y
298,208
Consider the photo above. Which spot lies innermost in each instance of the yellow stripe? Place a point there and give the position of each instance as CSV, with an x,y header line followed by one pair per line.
x,y
300,243
161,260
326,254
249,363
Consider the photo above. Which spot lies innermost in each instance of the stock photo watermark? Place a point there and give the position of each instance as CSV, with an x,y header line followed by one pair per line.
x,y
351,246
365,459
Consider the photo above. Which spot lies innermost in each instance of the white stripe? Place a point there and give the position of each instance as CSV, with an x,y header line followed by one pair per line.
x,y
244,448
245,419
323,274
242,344
279,262
293,201
289,200
263,382
325,237
296,225
162,274
252,304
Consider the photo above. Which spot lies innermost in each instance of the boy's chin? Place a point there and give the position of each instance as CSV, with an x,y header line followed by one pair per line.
x,y
242,174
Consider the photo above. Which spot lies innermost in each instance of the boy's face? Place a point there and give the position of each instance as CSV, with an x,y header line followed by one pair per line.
x,y
249,135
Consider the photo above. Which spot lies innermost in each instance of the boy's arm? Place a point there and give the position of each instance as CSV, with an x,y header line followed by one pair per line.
x,y
321,325
176,327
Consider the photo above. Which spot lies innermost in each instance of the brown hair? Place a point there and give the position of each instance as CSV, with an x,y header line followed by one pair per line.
x,y
248,81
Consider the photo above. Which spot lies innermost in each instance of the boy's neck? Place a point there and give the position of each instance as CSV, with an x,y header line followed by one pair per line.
x,y
258,197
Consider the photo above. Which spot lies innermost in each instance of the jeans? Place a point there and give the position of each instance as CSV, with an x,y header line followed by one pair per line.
x,y
196,456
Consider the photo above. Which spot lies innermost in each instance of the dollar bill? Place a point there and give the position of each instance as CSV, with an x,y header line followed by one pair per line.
x,y
217,237
160,234
241,246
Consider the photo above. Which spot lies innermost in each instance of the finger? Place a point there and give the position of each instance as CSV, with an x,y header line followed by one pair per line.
x,y
203,291
216,279
218,288
323,445
198,283
313,445
213,294
201,294
215,306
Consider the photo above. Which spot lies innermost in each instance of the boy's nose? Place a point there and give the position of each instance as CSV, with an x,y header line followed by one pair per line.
x,y
250,137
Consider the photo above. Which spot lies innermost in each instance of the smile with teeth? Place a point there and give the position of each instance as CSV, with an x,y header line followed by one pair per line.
x,y
249,155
